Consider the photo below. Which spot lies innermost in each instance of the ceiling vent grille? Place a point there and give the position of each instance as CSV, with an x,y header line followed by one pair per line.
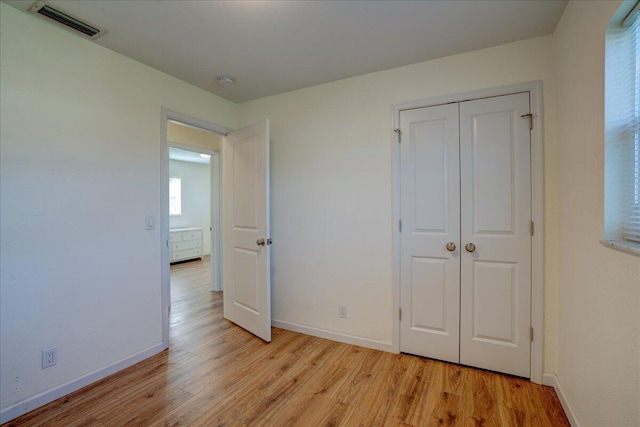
x,y
66,20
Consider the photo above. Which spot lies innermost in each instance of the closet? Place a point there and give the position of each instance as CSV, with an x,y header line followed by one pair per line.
x,y
465,245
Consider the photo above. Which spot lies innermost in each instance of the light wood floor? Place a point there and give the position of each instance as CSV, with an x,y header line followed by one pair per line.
x,y
216,374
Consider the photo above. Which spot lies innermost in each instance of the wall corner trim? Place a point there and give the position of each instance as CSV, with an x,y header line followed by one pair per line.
x,y
553,381
29,404
334,336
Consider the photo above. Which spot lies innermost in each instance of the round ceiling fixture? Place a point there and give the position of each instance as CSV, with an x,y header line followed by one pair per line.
x,y
225,80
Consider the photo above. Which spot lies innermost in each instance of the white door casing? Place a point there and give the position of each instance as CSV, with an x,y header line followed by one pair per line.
x,y
165,117
245,218
496,217
491,188
430,286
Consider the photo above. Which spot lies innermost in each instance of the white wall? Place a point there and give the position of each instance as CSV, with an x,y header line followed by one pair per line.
x,y
196,197
195,138
80,169
331,185
599,294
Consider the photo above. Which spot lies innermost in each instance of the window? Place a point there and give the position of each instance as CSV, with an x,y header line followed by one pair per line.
x,y
175,196
622,129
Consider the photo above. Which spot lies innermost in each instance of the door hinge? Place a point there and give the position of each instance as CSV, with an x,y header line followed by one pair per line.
x,y
400,314
167,243
533,228
400,226
399,132
530,116
531,333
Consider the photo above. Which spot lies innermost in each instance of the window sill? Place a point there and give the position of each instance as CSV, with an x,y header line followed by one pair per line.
x,y
623,246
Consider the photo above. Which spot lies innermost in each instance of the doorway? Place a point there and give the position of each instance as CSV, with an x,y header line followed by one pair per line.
x,y
191,137
245,239
466,243
454,319
193,183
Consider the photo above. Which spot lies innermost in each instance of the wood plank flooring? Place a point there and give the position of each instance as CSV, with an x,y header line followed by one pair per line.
x,y
216,374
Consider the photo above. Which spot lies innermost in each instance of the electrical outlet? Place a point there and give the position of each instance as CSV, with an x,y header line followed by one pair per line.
x,y
342,311
49,357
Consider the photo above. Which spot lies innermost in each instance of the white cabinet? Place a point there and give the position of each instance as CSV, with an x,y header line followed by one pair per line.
x,y
185,243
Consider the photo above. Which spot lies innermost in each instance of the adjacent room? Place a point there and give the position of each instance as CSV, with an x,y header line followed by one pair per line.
x,y
301,213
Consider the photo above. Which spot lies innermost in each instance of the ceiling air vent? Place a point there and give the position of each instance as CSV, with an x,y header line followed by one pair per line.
x,y
67,20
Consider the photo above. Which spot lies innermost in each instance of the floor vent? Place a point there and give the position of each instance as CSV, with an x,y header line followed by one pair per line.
x,y
67,20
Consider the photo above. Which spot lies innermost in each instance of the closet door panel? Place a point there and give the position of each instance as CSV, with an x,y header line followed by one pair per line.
x,y
495,219
430,274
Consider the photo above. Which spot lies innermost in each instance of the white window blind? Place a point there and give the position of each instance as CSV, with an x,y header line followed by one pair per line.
x,y
622,109
175,196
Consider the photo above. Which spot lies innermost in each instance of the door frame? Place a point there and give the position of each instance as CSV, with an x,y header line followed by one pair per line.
x,y
167,114
537,207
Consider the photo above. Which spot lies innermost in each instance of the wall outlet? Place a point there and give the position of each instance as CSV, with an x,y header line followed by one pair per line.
x,y
49,357
342,311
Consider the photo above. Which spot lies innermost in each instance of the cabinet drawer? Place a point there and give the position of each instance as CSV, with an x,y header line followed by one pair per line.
x,y
175,237
186,254
186,244
192,235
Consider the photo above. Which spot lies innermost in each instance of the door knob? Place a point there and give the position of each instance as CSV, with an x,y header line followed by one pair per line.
x,y
470,247
451,246
260,242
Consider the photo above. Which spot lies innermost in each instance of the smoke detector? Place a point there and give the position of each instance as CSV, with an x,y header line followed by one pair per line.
x,y
66,20
225,80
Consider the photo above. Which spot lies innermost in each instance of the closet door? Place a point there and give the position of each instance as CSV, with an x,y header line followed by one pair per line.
x,y
496,220
430,204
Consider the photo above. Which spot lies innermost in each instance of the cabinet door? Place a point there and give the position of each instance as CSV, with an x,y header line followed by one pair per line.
x,y
430,204
496,219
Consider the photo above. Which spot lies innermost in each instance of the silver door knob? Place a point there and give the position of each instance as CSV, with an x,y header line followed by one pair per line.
x,y
451,246
470,247
260,242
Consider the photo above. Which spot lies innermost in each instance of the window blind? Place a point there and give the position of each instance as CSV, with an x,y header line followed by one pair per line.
x,y
632,225
623,127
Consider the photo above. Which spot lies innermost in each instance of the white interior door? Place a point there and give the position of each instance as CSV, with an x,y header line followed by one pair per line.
x,y
465,174
245,239
430,273
496,218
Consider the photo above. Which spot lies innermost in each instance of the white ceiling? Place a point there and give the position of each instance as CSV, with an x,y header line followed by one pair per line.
x,y
272,47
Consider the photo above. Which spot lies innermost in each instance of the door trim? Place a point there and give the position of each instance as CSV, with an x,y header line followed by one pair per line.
x,y
537,208
165,279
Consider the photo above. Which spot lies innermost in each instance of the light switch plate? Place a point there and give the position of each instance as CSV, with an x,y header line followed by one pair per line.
x,y
150,223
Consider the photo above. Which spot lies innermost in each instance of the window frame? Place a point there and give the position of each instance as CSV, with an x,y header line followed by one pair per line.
x,y
622,130
173,209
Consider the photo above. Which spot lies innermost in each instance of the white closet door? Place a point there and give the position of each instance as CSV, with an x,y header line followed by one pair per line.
x,y
430,274
496,218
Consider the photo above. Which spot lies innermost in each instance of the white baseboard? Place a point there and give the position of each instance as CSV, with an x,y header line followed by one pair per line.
x,y
334,336
552,380
41,399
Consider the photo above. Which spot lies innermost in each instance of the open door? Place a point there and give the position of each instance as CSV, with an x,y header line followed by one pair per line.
x,y
245,239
